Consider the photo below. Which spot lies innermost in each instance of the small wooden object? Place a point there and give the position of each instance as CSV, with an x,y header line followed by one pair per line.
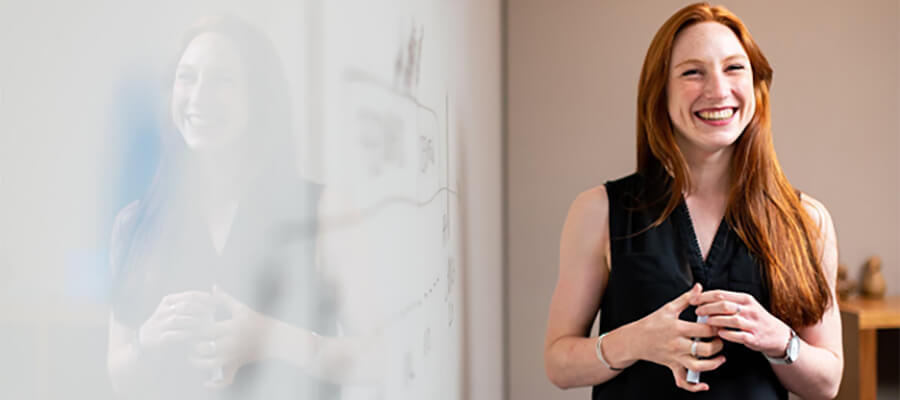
x,y
845,286
873,285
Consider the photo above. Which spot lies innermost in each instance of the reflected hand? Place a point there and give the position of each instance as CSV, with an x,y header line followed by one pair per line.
x,y
750,323
179,320
667,340
233,342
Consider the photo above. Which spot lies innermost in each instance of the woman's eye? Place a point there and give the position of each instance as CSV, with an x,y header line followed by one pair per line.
x,y
690,72
734,67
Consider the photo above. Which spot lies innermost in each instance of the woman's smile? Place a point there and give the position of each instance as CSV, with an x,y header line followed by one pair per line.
x,y
716,116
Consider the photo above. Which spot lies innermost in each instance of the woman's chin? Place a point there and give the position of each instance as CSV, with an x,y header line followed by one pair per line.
x,y
198,140
711,142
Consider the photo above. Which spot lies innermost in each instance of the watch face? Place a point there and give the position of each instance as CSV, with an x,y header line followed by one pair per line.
x,y
793,348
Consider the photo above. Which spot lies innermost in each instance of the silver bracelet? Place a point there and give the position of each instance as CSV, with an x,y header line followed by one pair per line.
x,y
600,354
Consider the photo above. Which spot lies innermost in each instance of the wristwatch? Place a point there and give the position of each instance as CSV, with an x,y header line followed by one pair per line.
x,y
790,354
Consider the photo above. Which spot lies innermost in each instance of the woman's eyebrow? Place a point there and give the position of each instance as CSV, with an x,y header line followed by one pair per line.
x,y
698,61
688,61
733,56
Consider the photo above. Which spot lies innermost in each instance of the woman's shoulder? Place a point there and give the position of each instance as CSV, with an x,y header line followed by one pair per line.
x,y
630,186
592,202
632,179
595,200
816,210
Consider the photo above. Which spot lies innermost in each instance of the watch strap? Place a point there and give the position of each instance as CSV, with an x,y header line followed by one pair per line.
x,y
788,358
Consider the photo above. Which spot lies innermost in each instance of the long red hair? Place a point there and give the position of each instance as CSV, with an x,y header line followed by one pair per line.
x,y
763,208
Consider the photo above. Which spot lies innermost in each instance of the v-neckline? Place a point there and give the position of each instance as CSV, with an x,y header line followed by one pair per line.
x,y
690,236
220,227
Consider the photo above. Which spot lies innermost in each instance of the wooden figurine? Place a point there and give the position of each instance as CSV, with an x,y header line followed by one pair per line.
x,y
845,286
873,285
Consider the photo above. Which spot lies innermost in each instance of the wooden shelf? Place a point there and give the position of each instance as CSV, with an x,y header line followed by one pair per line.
x,y
874,314
861,319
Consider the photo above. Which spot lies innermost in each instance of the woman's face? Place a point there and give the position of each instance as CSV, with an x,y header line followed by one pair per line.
x,y
710,88
209,96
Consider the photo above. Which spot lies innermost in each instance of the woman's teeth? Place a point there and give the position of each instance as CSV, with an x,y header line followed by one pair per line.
x,y
716,115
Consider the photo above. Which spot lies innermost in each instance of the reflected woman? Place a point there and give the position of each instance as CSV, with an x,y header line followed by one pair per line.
x,y
209,301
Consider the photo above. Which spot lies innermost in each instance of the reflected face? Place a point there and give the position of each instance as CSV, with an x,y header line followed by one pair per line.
x,y
209,95
710,87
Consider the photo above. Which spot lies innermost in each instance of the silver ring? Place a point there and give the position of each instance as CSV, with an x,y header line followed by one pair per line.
x,y
738,310
694,348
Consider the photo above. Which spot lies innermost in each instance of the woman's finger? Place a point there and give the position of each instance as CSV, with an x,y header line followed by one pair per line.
x,y
680,374
709,349
167,338
183,323
729,321
682,302
212,353
723,307
194,296
208,363
712,296
695,330
207,349
226,379
741,337
701,365
195,309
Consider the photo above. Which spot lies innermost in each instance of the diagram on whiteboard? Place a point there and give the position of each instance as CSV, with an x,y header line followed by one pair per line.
x,y
392,154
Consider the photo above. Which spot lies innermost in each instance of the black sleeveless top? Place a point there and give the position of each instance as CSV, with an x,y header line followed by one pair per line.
x,y
267,263
654,267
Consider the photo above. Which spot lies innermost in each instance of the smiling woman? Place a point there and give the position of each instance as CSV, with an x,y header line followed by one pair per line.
x,y
710,87
709,230
209,96
209,301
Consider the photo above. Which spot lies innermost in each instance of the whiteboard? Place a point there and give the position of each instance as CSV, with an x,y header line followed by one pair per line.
x,y
377,119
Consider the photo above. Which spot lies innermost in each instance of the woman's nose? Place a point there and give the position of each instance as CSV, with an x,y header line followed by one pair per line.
x,y
201,91
716,86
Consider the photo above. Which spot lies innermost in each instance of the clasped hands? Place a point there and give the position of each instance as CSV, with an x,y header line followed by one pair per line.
x,y
732,316
184,324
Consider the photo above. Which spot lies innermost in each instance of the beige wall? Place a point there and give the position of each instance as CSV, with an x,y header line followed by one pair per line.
x,y
572,78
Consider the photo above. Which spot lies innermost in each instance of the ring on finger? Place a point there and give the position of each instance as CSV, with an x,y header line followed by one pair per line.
x,y
694,348
738,310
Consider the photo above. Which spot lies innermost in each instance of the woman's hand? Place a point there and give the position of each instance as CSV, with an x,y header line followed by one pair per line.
x,y
667,340
179,320
750,323
232,343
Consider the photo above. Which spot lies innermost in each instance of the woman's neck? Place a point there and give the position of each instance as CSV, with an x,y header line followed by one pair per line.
x,y
710,172
220,178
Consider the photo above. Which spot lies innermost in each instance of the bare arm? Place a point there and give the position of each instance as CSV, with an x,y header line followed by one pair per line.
x,y
660,337
817,372
341,360
123,359
122,354
569,357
